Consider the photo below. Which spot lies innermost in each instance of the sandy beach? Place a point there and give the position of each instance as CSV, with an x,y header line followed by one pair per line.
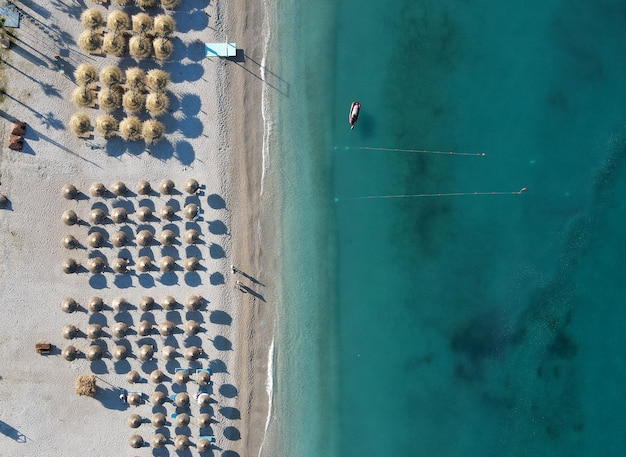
x,y
213,134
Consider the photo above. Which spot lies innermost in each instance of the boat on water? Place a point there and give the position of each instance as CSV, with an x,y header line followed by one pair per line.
x,y
354,114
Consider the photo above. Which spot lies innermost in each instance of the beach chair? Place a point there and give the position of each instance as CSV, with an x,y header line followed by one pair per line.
x,y
210,438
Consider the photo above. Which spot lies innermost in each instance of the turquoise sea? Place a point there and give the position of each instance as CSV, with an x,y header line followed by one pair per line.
x,y
470,325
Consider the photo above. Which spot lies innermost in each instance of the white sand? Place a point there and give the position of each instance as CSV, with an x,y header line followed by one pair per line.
x,y
214,135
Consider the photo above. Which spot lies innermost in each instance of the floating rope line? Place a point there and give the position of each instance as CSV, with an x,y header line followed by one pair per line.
x,y
453,194
418,151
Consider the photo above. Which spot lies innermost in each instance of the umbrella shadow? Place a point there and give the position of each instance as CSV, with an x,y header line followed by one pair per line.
x,y
216,251
12,432
216,201
220,317
228,390
216,278
185,153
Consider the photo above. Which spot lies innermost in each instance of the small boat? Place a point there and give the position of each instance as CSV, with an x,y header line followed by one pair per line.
x,y
354,114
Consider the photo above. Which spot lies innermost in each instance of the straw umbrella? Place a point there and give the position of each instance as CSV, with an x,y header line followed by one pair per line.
x,y
168,303
85,74
167,237
92,18
204,420
118,20
140,47
191,186
163,48
133,101
94,331
203,445
192,327
144,264
158,440
70,266
142,23
143,187
157,376
181,377
80,125
193,302
152,131
191,236
97,189
114,44
164,25
166,187
144,328
119,215
192,264
146,303
69,305
167,264
95,240
157,80
97,216
158,420
181,442
204,399
190,211
69,191
182,420
135,79
89,41
94,352
157,399
169,352
145,353
119,329
106,125
69,353
69,242
132,377
130,128
144,213
134,398
182,399
192,353
69,217
135,441
134,420
70,332
119,239
120,265
144,238
170,4
157,103
119,304
83,96
122,2
119,188
204,378
120,352
111,76
145,4
95,304
109,99
166,328
96,265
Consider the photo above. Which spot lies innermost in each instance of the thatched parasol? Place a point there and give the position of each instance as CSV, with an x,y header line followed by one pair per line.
x,y
135,441
130,128
182,399
120,265
143,187
134,420
69,242
69,191
122,2
109,99
118,20
135,398
96,265
86,385
135,78
106,126
69,353
69,305
144,264
95,240
145,353
164,25
92,18
80,125
70,332
94,331
140,47
181,377
169,352
166,187
142,23
204,399
192,264
167,237
144,213
190,211
97,189
182,420
193,302
119,304
157,103
119,188
166,328
85,74
146,4
97,216
70,266
191,186
94,352
192,353
163,48
146,303
204,378
95,304
157,80
144,328
170,4
203,445
168,303
120,352
119,239
192,327
144,237
158,440
157,399
111,76
83,97
133,377
181,442
191,236
133,101
152,131
114,44
157,376
119,215
119,329
167,264
204,420
89,41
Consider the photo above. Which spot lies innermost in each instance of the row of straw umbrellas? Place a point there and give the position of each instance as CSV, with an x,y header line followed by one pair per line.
x,y
147,4
119,189
120,215
121,265
130,128
144,238
96,304
181,442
